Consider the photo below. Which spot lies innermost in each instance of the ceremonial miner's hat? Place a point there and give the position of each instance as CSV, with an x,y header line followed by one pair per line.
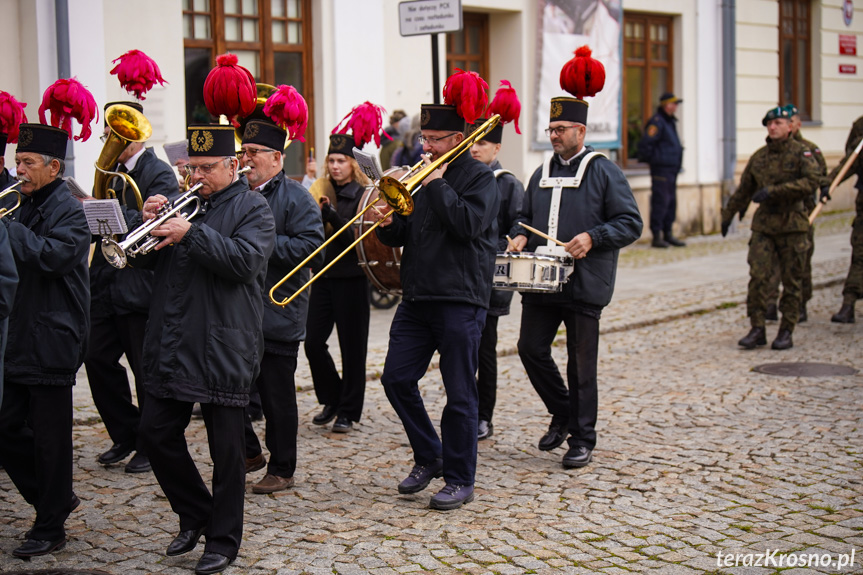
x,y
211,140
364,122
42,139
774,113
11,117
341,144
582,76
465,97
264,133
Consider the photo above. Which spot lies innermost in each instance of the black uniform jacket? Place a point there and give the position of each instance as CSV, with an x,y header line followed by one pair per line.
x,y
50,319
450,240
511,193
6,179
348,197
8,276
659,145
604,207
204,338
299,231
128,290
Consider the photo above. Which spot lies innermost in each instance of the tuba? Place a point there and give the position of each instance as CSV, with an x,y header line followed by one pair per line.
x,y
127,125
264,92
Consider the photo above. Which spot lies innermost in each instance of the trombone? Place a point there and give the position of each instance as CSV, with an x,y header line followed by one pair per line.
x,y
398,193
139,241
10,190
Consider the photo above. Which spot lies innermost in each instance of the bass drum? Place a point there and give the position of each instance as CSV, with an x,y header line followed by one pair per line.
x,y
380,262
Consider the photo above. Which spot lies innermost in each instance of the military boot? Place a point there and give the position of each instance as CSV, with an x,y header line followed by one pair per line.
x,y
803,315
783,339
772,313
845,314
756,336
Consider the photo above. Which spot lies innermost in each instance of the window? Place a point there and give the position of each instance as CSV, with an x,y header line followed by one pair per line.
x,y
647,72
270,39
467,49
795,60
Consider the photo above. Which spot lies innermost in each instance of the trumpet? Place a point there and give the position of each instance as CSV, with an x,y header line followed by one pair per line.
x,y
398,193
10,190
140,241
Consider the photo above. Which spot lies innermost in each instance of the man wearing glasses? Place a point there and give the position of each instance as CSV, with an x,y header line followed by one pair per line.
x,y
583,200
204,343
449,246
119,302
299,231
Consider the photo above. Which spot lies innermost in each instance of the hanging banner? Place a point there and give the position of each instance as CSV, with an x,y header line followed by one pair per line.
x,y
563,26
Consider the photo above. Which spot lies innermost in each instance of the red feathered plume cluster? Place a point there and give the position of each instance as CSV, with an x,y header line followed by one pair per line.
x,y
364,122
137,73
582,76
230,89
68,100
287,108
468,92
11,116
506,104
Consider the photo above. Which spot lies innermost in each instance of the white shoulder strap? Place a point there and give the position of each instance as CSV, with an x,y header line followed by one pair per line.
x,y
557,185
500,172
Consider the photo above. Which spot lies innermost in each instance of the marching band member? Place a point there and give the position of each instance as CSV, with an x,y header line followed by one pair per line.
x,y
119,300
448,244
204,343
48,326
299,231
595,220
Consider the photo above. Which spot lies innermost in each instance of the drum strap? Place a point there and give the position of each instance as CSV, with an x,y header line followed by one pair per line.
x,y
557,185
500,172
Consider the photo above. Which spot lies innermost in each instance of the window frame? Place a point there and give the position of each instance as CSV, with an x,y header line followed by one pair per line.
x,y
480,20
795,38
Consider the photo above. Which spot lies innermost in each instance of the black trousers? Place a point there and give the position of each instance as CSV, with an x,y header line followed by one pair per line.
x,y
163,425
486,380
36,451
576,402
343,303
112,336
279,402
663,200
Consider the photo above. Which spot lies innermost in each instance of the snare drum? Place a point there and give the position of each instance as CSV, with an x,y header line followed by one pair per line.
x,y
531,272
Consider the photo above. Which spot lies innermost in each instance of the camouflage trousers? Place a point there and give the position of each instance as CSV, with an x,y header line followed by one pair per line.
x,y
853,289
806,285
790,249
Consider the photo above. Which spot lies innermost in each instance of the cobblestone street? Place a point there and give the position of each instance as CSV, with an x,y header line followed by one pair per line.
x,y
698,455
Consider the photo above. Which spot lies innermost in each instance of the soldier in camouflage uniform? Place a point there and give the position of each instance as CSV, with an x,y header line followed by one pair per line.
x,y
809,201
853,289
777,177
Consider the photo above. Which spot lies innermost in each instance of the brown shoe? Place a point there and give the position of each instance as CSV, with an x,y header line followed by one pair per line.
x,y
255,463
272,483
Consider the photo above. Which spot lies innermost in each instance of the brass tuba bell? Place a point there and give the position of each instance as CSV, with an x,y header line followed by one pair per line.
x,y
127,125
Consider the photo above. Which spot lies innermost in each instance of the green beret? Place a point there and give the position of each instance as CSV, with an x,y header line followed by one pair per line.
x,y
774,113
792,110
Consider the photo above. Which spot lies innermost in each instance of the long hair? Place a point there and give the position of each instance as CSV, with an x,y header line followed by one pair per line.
x,y
357,174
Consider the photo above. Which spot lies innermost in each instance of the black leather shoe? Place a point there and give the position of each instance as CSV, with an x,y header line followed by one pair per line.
x,y
139,463
420,477
756,336
343,424
484,430
577,457
671,240
554,437
783,340
212,563
37,547
184,542
327,414
845,314
117,453
659,242
772,313
803,315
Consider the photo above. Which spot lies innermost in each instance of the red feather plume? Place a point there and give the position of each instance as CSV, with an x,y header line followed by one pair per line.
x,y
137,73
468,92
287,108
11,116
582,76
68,100
365,122
506,104
230,89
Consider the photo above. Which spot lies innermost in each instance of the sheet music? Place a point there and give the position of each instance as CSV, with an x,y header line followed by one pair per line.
x,y
105,217
370,164
76,188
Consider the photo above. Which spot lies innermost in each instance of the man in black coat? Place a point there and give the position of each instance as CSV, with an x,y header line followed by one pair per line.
x,y
660,147
8,271
449,243
583,199
299,231
119,301
6,179
48,331
204,343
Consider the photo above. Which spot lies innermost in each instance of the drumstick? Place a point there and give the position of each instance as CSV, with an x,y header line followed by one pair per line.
x,y
543,235
511,245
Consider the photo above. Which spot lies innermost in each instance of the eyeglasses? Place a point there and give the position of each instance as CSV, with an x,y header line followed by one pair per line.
x,y
432,139
205,169
560,130
252,152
